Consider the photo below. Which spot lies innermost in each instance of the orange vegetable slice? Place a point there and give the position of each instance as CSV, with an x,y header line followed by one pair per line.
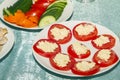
x,y
21,19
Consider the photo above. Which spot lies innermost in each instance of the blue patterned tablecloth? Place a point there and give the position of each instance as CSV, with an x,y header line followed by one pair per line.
x,y
20,64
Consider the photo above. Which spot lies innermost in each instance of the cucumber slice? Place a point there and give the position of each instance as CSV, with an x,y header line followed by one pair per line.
x,y
57,4
5,11
62,0
52,13
56,12
46,21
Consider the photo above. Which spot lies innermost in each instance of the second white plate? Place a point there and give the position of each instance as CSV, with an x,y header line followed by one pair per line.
x,y
7,47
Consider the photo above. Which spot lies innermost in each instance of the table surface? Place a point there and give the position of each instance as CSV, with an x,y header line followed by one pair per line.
x,y
20,64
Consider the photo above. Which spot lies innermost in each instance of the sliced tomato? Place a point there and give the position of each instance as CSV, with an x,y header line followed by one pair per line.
x,y
73,53
46,53
41,5
65,39
35,12
91,71
104,63
107,45
85,37
66,67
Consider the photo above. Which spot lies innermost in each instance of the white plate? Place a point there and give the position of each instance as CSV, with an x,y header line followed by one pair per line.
x,y
7,47
101,30
67,12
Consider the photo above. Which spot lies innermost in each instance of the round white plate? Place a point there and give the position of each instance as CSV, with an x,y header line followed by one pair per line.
x,y
7,47
101,30
67,12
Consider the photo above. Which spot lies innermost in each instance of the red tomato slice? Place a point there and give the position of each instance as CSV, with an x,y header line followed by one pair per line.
x,y
59,33
90,36
41,5
103,63
107,45
44,52
91,71
64,68
73,53
35,12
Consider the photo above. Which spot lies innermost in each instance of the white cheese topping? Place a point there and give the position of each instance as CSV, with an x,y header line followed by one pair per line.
x,y
84,29
101,40
104,54
84,65
79,48
47,46
61,60
59,33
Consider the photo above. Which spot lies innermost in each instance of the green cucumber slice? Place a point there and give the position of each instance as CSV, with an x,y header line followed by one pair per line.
x,y
46,21
56,12
52,14
57,4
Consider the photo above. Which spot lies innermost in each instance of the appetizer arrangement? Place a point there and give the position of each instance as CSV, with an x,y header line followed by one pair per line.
x,y
37,13
3,38
87,51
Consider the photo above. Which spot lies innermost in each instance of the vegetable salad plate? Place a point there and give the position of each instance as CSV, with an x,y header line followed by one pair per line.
x,y
43,59
6,47
59,9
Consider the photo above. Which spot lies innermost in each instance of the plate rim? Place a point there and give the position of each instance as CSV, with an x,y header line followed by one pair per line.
x,y
74,75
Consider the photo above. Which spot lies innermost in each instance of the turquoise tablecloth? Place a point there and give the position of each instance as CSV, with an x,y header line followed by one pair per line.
x,y
20,64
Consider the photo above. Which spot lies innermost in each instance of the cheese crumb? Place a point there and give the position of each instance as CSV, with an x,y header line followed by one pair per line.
x,y
84,29
101,40
84,65
104,54
47,46
79,48
59,33
61,60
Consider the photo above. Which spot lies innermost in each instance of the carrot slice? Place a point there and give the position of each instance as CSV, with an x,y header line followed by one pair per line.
x,y
28,24
21,19
9,18
19,15
34,19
